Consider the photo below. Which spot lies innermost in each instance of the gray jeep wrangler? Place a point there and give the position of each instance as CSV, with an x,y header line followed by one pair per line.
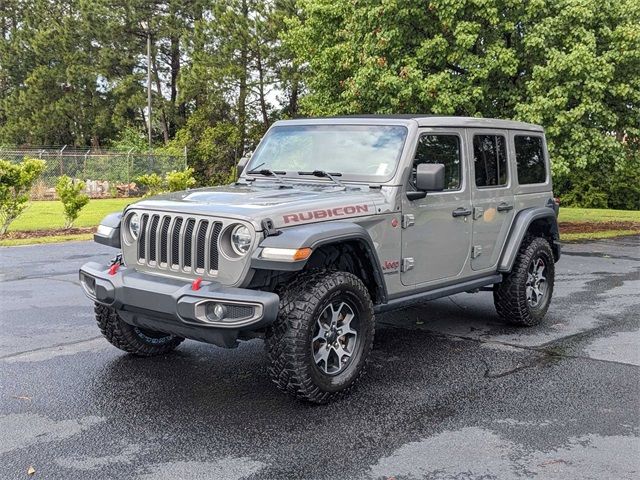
x,y
330,222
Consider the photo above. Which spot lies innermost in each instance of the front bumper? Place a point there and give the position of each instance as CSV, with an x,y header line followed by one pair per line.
x,y
170,305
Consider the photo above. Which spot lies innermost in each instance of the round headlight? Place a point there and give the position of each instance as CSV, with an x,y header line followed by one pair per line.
x,y
240,239
134,225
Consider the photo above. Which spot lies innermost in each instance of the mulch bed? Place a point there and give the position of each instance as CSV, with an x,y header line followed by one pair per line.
x,y
47,233
589,227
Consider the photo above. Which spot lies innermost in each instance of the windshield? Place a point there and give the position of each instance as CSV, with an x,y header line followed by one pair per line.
x,y
370,151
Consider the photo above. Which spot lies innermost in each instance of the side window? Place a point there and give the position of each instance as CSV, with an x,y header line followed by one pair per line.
x,y
443,149
490,160
530,159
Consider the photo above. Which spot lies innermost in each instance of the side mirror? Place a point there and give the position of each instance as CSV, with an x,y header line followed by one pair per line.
x,y
430,177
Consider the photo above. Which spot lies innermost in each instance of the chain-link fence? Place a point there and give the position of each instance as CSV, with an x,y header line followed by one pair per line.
x,y
105,173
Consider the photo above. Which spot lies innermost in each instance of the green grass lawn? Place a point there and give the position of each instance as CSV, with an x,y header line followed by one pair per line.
x,y
45,215
598,215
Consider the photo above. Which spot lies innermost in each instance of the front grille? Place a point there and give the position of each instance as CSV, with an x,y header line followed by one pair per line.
x,y
179,243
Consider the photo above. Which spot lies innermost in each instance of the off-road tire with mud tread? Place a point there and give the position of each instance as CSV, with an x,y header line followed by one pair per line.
x,y
288,339
510,297
131,339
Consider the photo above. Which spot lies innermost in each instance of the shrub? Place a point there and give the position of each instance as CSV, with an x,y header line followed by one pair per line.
x,y
73,198
16,179
173,181
180,180
151,183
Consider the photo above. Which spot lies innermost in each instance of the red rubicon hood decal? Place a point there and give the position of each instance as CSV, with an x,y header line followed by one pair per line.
x,y
325,213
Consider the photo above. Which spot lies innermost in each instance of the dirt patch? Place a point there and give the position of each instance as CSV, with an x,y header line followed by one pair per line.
x,y
47,233
589,227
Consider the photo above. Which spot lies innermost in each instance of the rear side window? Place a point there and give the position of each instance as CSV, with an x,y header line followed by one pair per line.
x,y
443,149
530,159
490,160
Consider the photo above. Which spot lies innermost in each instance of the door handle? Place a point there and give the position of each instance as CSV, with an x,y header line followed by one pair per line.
x,y
504,207
461,212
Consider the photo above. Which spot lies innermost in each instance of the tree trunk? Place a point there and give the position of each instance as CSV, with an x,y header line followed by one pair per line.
x,y
175,72
263,102
243,89
163,115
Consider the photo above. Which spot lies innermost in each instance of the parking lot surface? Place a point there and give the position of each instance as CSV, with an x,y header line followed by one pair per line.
x,y
450,393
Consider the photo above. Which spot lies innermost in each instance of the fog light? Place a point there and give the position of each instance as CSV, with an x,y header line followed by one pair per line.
x,y
215,312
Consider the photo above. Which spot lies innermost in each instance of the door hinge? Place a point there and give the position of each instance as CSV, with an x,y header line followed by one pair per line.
x,y
477,212
408,220
407,264
476,251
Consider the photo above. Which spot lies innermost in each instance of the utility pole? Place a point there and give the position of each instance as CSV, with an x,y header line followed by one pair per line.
x,y
149,80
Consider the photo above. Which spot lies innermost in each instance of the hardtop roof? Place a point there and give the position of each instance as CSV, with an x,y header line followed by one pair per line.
x,y
424,121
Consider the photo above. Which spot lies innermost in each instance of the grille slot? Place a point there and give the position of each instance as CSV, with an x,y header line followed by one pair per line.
x,y
164,241
213,247
179,243
175,242
188,242
153,237
201,245
142,240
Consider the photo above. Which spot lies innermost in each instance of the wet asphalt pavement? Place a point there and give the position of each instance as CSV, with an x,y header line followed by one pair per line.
x,y
451,393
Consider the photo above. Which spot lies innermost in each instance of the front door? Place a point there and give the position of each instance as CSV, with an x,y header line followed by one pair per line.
x,y
435,240
492,196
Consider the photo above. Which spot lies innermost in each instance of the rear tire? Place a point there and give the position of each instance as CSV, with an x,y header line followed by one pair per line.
x,y
320,342
524,295
138,341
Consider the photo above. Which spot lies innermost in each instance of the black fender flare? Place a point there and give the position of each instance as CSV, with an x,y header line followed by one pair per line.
x,y
316,235
111,237
519,228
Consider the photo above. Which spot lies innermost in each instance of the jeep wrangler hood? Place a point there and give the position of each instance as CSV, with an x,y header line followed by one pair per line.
x,y
284,206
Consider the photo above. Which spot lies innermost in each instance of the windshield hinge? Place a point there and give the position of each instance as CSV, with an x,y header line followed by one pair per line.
x,y
408,220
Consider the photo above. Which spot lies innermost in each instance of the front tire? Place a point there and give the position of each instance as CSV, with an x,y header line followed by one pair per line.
x,y
524,295
320,342
135,340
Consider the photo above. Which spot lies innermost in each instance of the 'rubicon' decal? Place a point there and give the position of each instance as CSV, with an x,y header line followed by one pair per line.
x,y
325,213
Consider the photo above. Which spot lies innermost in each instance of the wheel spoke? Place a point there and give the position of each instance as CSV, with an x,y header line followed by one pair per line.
x,y
341,351
320,337
540,269
322,355
345,328
529,293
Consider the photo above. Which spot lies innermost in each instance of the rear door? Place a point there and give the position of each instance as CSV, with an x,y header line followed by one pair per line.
x,y
492,195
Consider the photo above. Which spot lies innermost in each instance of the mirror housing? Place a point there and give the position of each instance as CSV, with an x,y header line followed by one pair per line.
x,y
430,177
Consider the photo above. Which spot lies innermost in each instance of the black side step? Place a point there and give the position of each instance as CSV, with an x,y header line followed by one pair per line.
x,y
440,292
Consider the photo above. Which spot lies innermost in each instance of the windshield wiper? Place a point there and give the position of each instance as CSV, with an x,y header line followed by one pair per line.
x,y
330,176
267,172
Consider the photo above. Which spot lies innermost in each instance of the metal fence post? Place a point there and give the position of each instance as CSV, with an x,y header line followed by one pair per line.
x,y
61,160
84,167
128,170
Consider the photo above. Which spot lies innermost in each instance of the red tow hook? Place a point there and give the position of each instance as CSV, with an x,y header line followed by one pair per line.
x,y
196,284
114,268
